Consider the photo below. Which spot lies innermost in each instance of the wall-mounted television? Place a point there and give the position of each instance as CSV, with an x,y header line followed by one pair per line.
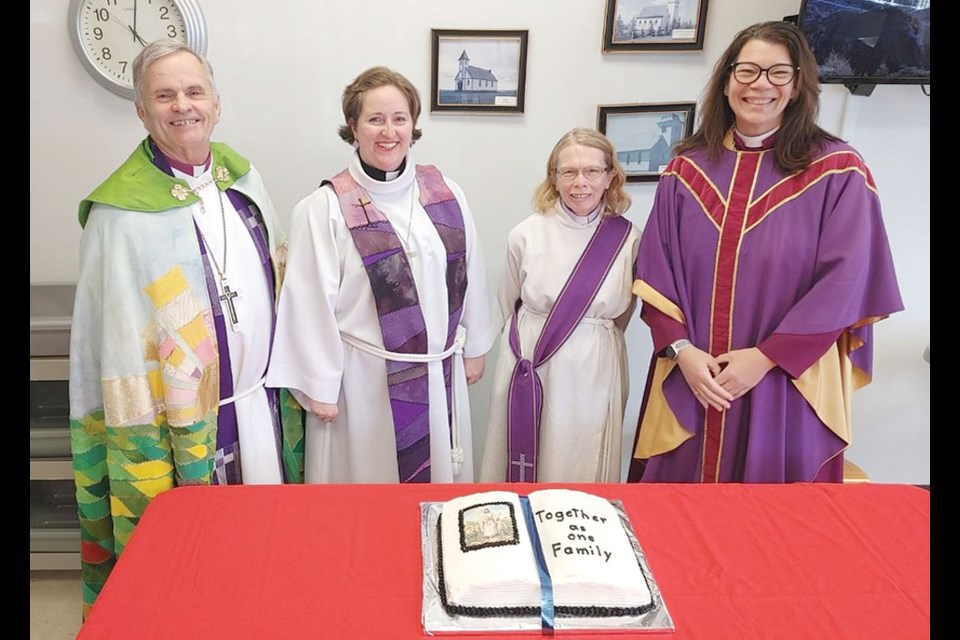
x,y
861,43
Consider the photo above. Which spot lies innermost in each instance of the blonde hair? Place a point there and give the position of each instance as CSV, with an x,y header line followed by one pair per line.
x,y
617,200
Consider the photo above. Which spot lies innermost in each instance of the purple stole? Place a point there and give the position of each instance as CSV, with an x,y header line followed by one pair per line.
x,y
227,468
398,305
525,398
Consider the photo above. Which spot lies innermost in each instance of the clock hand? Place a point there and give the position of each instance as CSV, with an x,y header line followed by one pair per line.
x,y
134,29
136,37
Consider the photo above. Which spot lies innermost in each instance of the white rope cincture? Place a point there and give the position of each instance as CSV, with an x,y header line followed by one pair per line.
x,y
244,393
455,350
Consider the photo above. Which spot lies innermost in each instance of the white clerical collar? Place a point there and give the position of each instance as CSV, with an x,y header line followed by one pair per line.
x,y
194,175
755,142
582,220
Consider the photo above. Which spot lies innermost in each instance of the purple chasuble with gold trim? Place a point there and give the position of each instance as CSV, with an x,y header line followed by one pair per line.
x,y
398,305
525,399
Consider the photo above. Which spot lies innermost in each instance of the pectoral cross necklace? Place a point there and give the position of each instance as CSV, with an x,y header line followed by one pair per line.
x,y
227,295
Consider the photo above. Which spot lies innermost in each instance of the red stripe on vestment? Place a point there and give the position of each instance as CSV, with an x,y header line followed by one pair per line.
x,y
724,281
795,185
700,186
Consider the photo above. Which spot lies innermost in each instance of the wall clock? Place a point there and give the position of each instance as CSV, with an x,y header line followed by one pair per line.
x,y
108,34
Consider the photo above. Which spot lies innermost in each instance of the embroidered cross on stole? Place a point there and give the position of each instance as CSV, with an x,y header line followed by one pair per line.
x,y
526,391
398,304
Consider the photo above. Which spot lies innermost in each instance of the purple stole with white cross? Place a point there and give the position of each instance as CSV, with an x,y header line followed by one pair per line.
x,y
525,400
398,305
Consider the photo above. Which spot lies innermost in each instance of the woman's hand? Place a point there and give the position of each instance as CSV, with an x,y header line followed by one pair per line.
x,y
326,412
474,368
744,369
699,368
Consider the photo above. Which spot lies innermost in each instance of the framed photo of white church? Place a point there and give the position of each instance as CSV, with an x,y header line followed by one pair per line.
x,y
654,25
478,71
644,135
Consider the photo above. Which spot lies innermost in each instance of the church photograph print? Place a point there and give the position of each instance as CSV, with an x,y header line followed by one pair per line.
x,y
654,25
478,71
644,135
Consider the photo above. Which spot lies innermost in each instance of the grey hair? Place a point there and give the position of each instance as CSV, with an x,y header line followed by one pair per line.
x,y
160,49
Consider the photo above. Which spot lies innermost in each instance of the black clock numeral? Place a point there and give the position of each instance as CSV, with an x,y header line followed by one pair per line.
x,y
102,15
105,53
113,2
171,31
123,66
163,13
97,33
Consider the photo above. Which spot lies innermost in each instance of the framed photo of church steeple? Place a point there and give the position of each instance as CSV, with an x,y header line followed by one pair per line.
x,y
654,25
644,135
478,71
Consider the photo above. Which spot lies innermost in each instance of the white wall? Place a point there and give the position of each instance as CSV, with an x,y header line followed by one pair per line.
x,y
281,66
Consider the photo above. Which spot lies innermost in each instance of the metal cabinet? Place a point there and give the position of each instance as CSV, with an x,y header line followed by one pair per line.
x,y
54,524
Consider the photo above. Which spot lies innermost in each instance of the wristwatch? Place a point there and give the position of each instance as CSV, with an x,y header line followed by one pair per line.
x,y
673,349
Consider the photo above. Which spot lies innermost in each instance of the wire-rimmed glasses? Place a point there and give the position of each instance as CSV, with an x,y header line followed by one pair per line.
x,y
777,74
591,174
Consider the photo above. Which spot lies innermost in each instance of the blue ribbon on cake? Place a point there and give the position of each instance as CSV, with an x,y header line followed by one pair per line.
x,y
546,584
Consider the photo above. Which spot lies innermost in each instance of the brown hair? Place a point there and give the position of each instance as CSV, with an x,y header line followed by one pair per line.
x,y
617,200
374,78
799,135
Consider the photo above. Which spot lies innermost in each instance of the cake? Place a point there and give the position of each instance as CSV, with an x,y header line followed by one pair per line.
x,y
487,558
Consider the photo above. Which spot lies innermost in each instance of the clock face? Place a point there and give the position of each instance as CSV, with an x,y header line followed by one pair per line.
x,y
108,34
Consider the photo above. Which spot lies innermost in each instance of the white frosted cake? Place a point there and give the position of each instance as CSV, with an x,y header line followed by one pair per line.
x,y
487,564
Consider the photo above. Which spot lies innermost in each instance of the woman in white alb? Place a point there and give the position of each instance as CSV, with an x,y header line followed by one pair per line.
x,y
366,262
585,382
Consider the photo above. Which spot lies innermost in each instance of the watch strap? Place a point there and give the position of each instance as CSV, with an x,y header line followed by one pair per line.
x,y
673,350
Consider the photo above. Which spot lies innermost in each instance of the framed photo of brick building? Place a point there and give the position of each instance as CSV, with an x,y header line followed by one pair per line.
x,y
644,135
654,25
478,71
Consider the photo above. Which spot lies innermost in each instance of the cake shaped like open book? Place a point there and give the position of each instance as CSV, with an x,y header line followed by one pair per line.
x,y
488,561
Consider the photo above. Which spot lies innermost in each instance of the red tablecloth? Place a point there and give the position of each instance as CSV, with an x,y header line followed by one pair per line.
x,y
820,561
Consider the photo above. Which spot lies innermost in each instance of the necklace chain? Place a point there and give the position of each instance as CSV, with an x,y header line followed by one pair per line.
x,y
227,295
221,273
406,241
200,187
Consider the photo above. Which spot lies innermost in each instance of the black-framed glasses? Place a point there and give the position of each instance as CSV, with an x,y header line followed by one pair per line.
x,y
777,74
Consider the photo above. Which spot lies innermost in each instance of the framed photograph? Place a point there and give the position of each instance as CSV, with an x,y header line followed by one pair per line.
x,y
654,25
478,71
644,135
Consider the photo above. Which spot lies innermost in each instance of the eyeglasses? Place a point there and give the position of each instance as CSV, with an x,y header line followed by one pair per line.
x,y
749,72
592,174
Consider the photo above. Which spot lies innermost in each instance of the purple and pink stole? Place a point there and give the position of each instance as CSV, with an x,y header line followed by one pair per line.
x,y
398,305
525,400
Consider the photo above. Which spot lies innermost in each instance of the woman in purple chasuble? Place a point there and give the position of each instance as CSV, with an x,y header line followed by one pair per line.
x,y
762,268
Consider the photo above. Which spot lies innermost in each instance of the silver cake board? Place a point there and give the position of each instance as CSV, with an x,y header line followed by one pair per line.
x,y
436,620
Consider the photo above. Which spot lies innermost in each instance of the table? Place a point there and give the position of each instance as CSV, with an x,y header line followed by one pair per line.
x,y
823,561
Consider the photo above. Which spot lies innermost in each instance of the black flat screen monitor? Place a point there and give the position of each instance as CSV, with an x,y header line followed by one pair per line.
x,y
868,42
